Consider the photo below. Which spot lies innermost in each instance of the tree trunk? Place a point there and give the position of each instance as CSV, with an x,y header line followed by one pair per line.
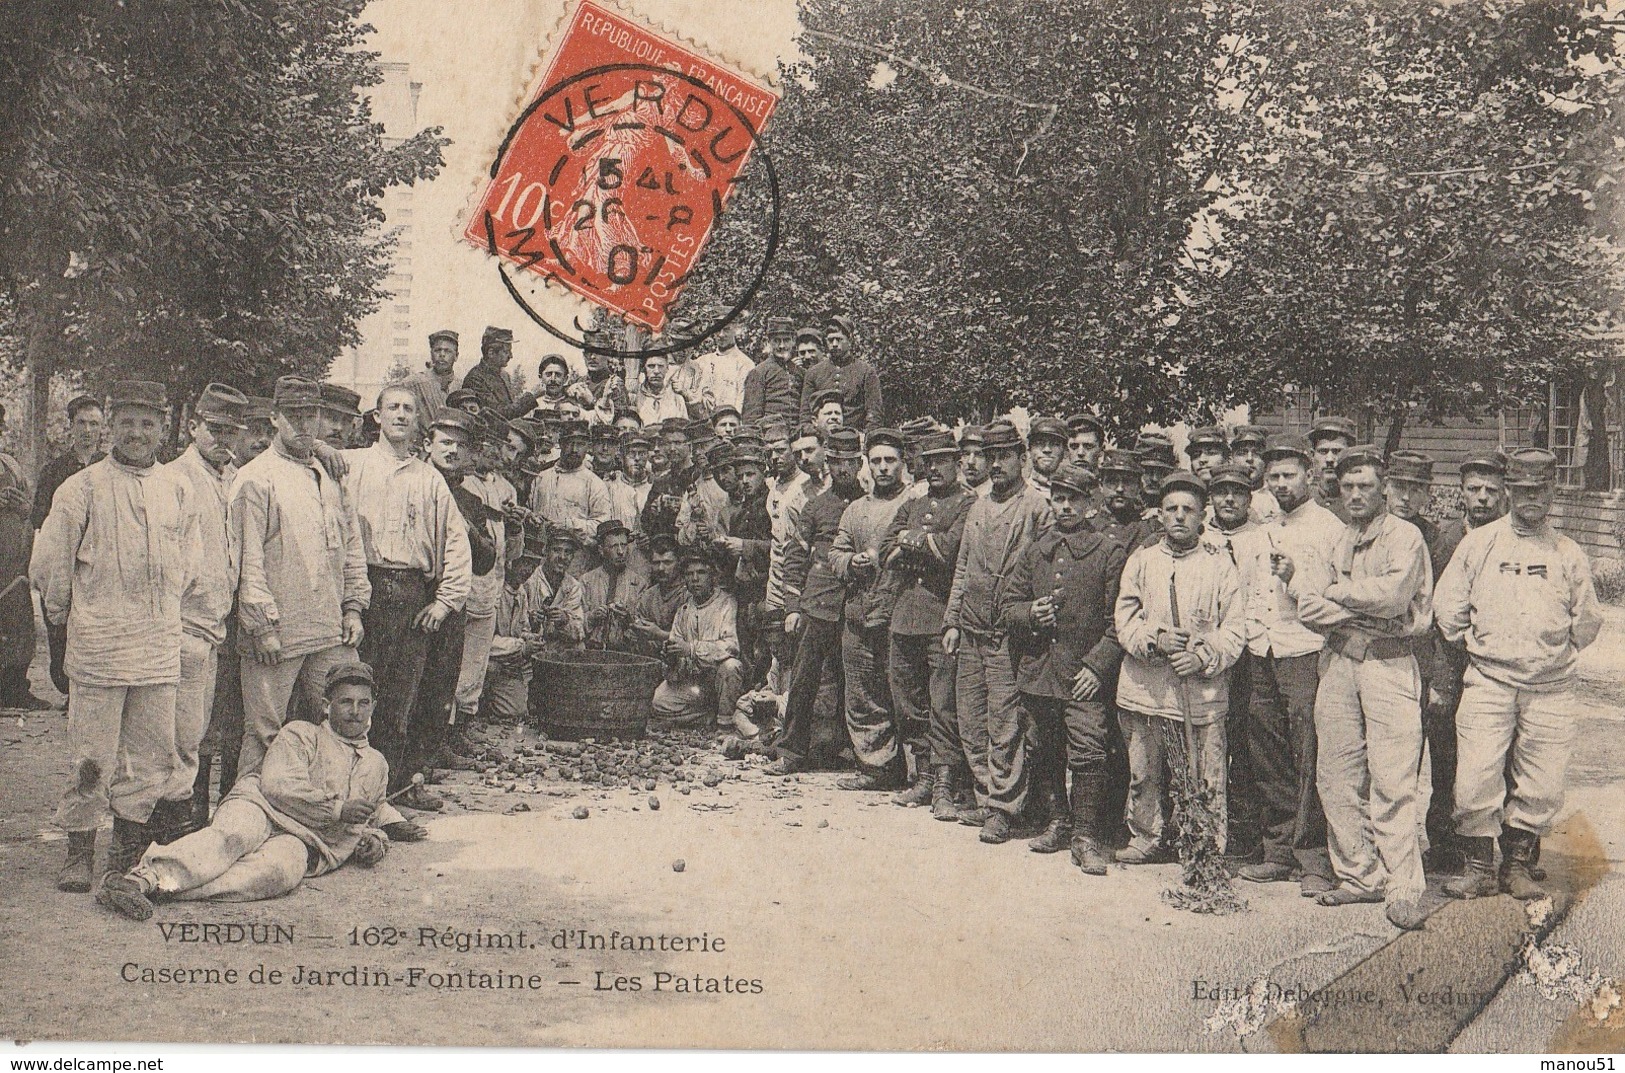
x,y
1396,429
38,377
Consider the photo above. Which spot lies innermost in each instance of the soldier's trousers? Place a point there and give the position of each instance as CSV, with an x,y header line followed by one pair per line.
x,y
870,720
194,701
239,857
1368,726
223,740
993,724
268,690
1241,796
922,689
1155,744
478,631
122,740
818,649
1439,727
1502,733
396,651
1281,743
437,698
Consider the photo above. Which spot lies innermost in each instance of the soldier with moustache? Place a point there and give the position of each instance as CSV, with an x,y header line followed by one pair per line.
x,y
992,723
815,601
1233,533
1062,602
920,550
1519,596
773,388
1124,520
487,382
1046,450
1484,500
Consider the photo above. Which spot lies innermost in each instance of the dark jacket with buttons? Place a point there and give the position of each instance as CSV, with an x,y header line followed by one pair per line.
x,y
810,583
1082,570
925,577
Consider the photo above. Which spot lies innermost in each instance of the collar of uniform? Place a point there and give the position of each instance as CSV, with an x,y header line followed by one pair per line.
x,y
387,455
1176,553
898,489
136,470
955,491
224,474
281,452
1369,532
1080,541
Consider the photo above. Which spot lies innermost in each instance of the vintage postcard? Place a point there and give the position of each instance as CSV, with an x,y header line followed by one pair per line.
x,y
818,525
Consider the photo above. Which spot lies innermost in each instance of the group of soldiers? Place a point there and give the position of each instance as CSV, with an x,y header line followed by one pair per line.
x,y
1026,631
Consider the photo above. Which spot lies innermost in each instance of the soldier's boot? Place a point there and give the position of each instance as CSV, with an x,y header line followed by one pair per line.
x,y
1057,834
922,790
1477,879
1535,869
75,875
1517,853
127,895
945,788
1088,787
130,841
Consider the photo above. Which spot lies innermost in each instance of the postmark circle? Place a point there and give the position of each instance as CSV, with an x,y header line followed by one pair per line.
x,y
770,247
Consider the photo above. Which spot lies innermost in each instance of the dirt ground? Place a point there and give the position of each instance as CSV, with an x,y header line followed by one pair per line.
x,y
805,917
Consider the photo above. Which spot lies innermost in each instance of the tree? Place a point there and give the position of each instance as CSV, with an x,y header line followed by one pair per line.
x,y
1167,209
1419,236
192,193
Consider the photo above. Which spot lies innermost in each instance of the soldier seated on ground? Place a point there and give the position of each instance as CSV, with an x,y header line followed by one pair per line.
x,y
317,801
704,676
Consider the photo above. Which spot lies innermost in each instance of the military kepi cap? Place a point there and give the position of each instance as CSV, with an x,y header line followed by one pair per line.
x,y
1001,436
496,335
1361,454
293,392
884,437
1531,467
259,408
1120,462
341,400
1328,427
455,421
1075,478
1182,480
1495,465
445,334
138,393
1244,434
938,443
844,443
1410,466
1284,446
1207,436
1230,473
222,405
348,671
1049,428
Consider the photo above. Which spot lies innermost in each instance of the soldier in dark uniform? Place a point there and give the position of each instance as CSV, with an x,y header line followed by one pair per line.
x,y
1062,599
85,423
919,552
815,601
1329,437
487,382
1120,483
668,490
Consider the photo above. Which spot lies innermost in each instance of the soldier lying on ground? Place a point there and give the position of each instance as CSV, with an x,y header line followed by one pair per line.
x,y
317,802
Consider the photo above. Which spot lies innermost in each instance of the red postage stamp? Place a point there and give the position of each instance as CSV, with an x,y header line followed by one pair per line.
x,y
620,165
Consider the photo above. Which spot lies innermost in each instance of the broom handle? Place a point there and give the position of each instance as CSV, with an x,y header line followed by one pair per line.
x,y
1184,693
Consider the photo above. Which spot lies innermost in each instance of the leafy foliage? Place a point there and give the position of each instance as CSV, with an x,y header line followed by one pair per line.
x,y
1165,209
191,192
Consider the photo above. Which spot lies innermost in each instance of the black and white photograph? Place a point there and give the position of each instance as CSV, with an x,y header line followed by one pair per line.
x,y
1055,527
